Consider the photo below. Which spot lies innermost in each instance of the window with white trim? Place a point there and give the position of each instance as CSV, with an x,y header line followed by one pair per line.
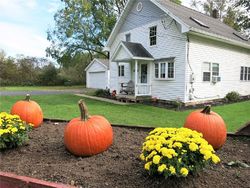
x,y
245,73
210,70
152,35
164,70
121,70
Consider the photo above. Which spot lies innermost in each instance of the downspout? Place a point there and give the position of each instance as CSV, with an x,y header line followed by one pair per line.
x,y
191,76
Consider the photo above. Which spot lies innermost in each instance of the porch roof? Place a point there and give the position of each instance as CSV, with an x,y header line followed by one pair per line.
x,y
127,51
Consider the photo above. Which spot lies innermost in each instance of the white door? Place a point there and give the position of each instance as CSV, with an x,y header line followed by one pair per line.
x,y
97,80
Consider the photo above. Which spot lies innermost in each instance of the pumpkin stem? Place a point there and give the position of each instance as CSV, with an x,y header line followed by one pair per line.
x,y
207,109
83,110
27,98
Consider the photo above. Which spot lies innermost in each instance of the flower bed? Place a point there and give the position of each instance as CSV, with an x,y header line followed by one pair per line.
x,y
44,157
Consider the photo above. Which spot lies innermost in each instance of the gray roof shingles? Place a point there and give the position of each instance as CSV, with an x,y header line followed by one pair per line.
x,y
137,50
215,25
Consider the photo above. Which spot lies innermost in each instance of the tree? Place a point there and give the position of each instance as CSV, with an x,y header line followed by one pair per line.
x,y
83,26
233,13
244,18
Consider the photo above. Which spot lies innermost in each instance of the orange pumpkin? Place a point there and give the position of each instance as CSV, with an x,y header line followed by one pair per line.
x,y
87,135
210,124
29,111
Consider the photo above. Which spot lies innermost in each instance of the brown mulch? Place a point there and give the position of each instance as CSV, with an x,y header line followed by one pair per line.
x,y
45,157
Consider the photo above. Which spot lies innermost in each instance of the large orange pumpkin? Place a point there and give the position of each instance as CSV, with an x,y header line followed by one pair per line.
x,y
210,124
29,111
87,135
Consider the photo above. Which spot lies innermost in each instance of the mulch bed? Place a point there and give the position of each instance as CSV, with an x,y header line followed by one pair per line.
x,y
45,157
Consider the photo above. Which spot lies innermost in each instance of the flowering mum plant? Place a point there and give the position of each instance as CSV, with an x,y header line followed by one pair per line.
x,y
176,152
13,131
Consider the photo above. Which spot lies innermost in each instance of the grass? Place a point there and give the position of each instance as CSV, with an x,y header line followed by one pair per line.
x,y
32,88
65,107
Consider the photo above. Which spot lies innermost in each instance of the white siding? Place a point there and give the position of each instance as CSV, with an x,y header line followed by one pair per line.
x,y
230,60
96,69
170,43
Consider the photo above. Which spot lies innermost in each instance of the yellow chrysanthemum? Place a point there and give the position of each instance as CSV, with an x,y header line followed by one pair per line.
x,y
156,159
215,159
172,170
147,165
142,157
193,147
184,172
161,168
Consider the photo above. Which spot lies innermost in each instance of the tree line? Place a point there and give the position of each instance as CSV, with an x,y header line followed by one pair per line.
x,y
29,71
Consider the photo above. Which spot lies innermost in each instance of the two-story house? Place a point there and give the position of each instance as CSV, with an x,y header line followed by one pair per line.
x,y
172,52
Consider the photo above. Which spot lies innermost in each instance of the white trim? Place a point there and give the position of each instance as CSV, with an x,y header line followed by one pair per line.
x,y
143,58
118,48
93,61
219,38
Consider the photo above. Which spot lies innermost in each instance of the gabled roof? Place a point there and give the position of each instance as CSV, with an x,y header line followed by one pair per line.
x,y
103,62
198,21
127,51
191,21
137,50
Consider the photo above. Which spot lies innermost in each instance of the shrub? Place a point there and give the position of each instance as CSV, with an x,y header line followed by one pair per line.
x,y
176,152
102,93
233,96
13,131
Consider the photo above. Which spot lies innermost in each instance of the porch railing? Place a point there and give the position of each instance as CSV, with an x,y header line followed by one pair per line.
x,y
143,89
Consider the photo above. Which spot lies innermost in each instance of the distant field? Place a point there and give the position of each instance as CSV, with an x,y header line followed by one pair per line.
x,y
65,107
30,88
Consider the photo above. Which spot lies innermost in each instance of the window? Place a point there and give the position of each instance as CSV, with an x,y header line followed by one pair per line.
x,y
152,35
206,72
210,70
164,70
156,70
241,73
128,37
245,73
170,69
121,70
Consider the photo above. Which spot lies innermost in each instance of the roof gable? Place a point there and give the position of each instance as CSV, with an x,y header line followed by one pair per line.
x,y
102,62
127,51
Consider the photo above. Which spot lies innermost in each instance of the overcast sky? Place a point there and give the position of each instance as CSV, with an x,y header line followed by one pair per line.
x,y
24,23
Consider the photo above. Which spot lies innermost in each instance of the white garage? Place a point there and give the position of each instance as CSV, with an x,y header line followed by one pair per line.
x,y
97,74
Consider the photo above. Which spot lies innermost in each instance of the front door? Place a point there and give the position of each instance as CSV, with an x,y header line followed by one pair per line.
x,y
144,73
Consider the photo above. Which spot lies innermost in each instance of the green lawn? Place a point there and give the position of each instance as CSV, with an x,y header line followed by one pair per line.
x,y
65,107
32,88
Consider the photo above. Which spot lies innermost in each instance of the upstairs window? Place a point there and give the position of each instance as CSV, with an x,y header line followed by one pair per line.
x,y
245,73
121,70
152,35
128,37
164,70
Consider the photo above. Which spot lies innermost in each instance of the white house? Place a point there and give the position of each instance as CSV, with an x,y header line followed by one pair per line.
x,y
172,52
97,74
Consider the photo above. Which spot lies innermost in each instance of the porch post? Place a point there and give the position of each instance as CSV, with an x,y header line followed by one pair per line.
x,y
136,77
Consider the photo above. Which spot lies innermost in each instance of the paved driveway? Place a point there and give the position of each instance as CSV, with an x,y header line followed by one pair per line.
x,y
48,92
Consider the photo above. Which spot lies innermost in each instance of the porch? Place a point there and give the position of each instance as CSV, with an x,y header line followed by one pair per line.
x,y
136,61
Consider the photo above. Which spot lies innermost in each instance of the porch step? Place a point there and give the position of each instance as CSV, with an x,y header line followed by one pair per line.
x,y
131,98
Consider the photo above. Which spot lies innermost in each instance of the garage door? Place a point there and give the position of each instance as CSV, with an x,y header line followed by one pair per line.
x,y
97,80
